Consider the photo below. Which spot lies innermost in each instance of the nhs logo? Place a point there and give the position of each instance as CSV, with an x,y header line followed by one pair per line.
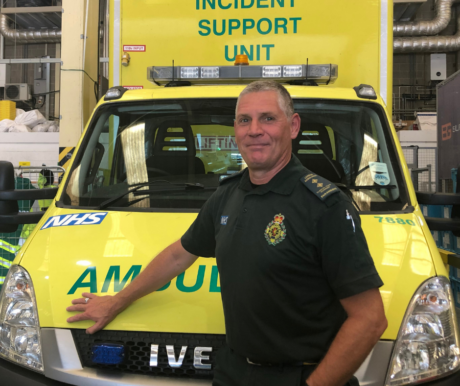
x,y
74,219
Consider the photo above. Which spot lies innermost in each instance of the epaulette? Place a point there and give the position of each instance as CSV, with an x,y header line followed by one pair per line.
x,y
231,177
319,186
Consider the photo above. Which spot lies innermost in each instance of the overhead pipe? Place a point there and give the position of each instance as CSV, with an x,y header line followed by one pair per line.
x,y
23,36
428,44
426,28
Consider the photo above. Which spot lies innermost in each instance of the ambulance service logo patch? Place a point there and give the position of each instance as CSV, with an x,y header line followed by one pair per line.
x,y
275,231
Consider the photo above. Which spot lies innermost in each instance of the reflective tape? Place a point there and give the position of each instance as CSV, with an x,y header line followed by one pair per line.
x,y
9,247
2,279
5,263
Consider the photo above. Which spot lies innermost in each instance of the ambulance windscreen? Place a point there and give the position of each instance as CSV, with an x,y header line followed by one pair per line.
x,y
170,155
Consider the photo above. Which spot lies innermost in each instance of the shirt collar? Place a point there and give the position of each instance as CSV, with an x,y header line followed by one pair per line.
x,y
282,183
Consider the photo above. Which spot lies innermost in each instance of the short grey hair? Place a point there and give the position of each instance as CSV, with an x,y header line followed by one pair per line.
x,y
284,98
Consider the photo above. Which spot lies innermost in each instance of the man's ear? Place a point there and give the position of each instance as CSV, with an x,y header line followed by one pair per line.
x,y
295,125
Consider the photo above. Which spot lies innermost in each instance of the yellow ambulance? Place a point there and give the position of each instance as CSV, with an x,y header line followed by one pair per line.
x,y
156,148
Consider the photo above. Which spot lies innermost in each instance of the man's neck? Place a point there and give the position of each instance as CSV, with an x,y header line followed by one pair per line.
x,y
261,177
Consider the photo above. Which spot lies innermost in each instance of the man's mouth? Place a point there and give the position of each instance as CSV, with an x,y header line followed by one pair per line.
x,y
257,145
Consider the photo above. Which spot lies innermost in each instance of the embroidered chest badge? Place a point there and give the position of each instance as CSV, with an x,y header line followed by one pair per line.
x,y
275,231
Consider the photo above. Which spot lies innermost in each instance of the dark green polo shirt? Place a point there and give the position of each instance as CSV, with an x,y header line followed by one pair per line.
x,y
287,252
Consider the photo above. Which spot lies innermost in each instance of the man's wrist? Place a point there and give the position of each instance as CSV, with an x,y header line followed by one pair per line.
x,y
122,301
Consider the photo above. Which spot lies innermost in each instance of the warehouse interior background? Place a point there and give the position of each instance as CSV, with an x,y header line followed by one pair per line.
x,y
414,89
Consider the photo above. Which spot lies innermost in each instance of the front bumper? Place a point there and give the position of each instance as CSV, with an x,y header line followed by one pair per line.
x,y
63,367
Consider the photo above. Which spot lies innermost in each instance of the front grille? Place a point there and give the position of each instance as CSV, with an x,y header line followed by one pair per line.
x,y
137,346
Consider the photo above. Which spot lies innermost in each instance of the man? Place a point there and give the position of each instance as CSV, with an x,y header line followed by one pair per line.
x,y
299,288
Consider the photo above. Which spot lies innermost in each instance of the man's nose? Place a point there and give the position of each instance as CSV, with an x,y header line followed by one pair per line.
x,y
255,128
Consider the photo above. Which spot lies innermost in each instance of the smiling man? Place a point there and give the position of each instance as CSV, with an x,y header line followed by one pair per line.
x,y
299,287
265,126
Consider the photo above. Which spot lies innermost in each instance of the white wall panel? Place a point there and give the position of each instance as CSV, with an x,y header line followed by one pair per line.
x,y
36,148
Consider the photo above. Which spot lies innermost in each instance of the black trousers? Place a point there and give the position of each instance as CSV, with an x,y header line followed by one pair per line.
x,y
234,370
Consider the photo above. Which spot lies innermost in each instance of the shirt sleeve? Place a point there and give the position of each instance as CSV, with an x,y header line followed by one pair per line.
x,y
200,239
346,260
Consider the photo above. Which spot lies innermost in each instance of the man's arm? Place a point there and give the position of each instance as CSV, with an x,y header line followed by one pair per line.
x,y
365,324
171,262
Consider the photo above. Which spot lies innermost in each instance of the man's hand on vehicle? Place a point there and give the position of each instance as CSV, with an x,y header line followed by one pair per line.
x,y
100,309
169,263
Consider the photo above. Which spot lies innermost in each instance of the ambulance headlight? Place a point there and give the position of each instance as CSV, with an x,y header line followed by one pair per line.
x,y
427,347
19,327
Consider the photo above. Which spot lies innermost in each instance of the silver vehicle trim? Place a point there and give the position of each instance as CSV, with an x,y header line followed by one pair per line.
x,y
62,363
373,371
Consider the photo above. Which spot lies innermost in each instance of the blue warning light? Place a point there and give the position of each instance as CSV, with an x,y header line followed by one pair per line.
x,y
108,353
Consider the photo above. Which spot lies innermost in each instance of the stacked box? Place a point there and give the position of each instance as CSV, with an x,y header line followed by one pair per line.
x,y
447,241
435,211
424,209
437,238
432,210
447,238
7,110
456,244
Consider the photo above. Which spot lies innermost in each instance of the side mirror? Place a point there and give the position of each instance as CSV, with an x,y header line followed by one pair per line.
x,y
7,207
10,217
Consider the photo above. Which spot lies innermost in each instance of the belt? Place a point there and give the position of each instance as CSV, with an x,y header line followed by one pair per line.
x,y
268,364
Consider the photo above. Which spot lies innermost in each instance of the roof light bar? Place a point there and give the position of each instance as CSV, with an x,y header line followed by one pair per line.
x,y
320,73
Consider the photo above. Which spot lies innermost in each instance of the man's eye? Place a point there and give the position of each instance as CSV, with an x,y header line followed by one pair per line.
x,y
244,120
269,118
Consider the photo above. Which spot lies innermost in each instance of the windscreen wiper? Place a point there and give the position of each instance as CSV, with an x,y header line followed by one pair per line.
x,y
137,187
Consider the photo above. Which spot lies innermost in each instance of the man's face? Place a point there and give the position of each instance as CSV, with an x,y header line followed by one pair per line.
x,y
263,132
